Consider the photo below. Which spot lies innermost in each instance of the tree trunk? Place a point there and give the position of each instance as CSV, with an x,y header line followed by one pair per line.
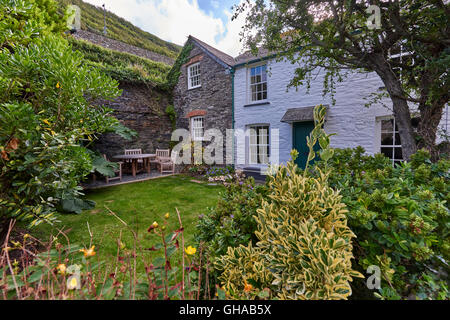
x,y
430,117
400,107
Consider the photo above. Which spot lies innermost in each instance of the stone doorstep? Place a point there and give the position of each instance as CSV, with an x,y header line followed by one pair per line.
x,y
127,182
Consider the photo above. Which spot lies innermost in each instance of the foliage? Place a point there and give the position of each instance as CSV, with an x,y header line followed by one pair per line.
x,y
304,247
219,171
170,111
73,272
230,223
122,66
42,18
48,115
174,73
401,218
120,29
335,36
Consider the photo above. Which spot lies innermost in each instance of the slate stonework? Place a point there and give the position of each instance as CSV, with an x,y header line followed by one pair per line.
x,y
213,98
142,109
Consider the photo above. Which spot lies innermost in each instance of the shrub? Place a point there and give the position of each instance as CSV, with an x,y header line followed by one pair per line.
x,y
231,222
304,247
401,218
48,115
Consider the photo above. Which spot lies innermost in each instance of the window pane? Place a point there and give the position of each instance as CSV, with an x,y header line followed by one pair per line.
x,y
387,139
398,153
387,125
387,152
253,155
397,139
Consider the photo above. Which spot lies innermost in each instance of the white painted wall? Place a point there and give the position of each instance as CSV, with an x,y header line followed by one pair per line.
x,y
354,124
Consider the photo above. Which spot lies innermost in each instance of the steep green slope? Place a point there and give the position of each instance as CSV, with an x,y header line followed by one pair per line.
x,y
122,66
120,29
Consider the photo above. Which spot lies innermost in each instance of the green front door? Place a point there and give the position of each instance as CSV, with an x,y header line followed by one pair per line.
x,y
300,131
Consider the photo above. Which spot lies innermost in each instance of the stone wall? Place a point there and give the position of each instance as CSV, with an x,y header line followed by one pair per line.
x,y
212,100
121,46
142,109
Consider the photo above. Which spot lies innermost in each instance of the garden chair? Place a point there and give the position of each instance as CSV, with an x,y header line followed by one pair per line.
x,y
167,164
159,153
140,162
117,171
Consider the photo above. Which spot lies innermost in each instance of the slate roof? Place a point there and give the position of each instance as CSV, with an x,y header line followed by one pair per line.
x,y
298,114
248,56
227,59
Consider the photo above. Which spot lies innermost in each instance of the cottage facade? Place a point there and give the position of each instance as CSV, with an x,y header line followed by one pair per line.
x,y
250,95
280,119
202,96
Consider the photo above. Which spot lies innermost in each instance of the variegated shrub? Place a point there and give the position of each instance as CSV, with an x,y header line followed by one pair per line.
x,y
304,249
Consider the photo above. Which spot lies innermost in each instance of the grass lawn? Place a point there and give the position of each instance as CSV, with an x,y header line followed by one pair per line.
x,y
139,205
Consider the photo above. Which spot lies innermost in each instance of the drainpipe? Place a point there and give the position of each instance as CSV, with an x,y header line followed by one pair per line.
x,y
232,70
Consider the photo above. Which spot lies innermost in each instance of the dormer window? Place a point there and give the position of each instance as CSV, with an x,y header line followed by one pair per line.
x,y
194,76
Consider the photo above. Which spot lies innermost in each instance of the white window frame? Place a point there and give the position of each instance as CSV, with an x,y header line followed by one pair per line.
x,y
250,85
191,77
256,143
196,128
400,56
394,145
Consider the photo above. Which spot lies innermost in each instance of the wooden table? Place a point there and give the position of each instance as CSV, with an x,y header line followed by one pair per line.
x,y
134,160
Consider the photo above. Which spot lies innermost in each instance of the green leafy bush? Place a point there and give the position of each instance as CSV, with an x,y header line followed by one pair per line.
x,y
401,218
304,247
231,222
48,115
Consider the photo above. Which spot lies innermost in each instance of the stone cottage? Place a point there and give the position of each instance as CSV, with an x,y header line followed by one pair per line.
x,y
202,97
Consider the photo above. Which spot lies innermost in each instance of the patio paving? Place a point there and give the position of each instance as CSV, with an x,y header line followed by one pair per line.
x,y
126,178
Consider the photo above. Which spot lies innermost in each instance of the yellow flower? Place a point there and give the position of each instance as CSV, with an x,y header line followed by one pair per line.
x,y
155,224
167,215
247,287
61,268
46,122
72,283
57,85
190,250
88,252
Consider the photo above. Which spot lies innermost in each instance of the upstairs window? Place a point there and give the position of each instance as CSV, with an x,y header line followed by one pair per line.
x,y
259,145
197,128
400,57
194,76
258,83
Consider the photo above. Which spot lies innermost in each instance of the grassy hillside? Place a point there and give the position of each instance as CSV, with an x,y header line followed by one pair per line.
x,y
122,66
120,29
